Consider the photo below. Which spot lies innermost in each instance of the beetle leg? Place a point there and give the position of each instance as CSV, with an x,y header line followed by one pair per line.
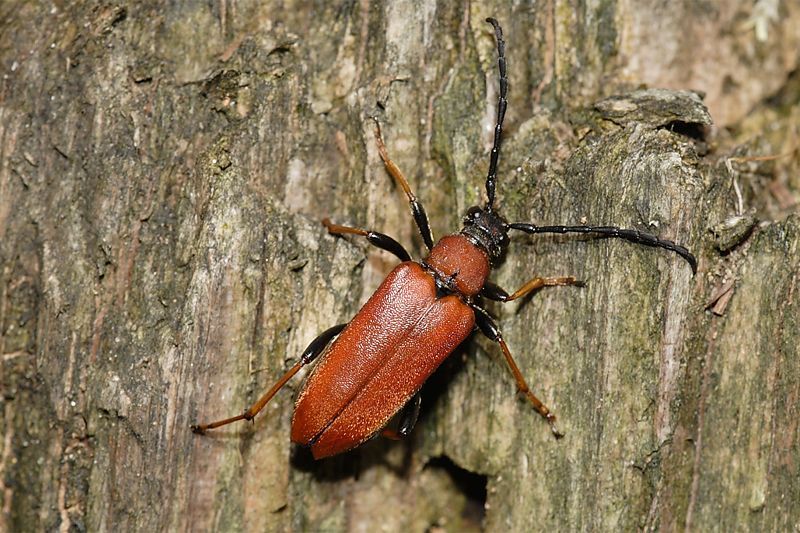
x,y
490,329
420,217
408,418
384,242
494,292
316,347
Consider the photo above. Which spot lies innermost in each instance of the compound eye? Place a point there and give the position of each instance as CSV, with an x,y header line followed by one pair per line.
x,y
473,214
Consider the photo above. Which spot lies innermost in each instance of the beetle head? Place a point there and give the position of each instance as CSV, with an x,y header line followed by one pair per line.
x,y
487,230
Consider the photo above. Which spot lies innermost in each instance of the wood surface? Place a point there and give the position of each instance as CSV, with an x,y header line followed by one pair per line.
x,y
164,168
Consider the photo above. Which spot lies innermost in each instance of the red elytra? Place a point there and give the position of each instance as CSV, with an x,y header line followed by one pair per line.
x,y
380,360
373,367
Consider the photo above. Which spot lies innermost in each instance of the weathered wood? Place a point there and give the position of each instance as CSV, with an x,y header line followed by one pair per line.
x,y
163,171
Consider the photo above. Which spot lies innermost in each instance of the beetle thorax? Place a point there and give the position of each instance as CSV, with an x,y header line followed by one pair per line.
x,y
458,262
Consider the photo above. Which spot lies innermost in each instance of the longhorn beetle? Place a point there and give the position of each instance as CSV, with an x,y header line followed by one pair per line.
x,y
373,367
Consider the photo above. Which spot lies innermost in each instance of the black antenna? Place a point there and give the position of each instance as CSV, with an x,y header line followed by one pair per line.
x,y
631,235
502,103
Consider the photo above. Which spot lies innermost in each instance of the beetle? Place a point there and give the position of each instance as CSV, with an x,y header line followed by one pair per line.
x,y
372,368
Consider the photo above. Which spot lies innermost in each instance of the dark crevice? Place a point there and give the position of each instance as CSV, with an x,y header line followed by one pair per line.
x,y
470,484
693,130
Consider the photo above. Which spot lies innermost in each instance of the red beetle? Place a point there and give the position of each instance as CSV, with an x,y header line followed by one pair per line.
x,y
422,311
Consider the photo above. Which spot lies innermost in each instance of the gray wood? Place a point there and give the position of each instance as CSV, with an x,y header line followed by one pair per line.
x,y
163,172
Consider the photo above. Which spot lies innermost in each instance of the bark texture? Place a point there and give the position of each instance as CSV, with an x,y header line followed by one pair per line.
x,y
163,171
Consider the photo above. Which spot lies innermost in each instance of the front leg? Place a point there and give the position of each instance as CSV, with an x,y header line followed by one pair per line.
x,y
382,241
494,292
417,210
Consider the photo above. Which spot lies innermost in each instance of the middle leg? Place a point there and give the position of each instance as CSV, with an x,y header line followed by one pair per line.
x,y
490,329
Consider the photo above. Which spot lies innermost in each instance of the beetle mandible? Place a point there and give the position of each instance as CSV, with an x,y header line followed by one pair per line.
x,y
373,367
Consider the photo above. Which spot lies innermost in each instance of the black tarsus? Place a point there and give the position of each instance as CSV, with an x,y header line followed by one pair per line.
x,y
632,235
502,103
